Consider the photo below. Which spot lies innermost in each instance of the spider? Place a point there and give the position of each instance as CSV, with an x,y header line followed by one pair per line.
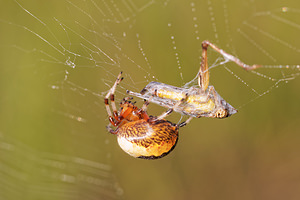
x,y
196,101
140,135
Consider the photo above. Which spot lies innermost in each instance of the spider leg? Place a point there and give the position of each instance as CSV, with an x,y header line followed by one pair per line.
x,y
109,129
110,95
203,77
146,103
144,108
185,122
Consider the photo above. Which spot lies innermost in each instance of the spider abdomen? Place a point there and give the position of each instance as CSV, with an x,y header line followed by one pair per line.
x,y
148,139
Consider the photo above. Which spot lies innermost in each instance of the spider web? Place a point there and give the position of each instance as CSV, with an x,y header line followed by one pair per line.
x,y
61,57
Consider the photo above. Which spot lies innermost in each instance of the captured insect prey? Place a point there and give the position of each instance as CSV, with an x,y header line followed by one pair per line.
x,y
196,101
140,135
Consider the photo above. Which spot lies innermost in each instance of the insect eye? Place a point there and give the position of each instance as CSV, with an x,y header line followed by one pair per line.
x,y
221,113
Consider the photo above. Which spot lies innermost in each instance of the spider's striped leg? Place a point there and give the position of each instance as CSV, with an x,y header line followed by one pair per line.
x,y
144,108
110,95
146,103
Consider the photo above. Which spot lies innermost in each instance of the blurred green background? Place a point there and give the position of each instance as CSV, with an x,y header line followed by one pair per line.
x,y
59,58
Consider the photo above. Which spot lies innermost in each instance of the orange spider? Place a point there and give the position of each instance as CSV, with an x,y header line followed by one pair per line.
x,y
141,135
